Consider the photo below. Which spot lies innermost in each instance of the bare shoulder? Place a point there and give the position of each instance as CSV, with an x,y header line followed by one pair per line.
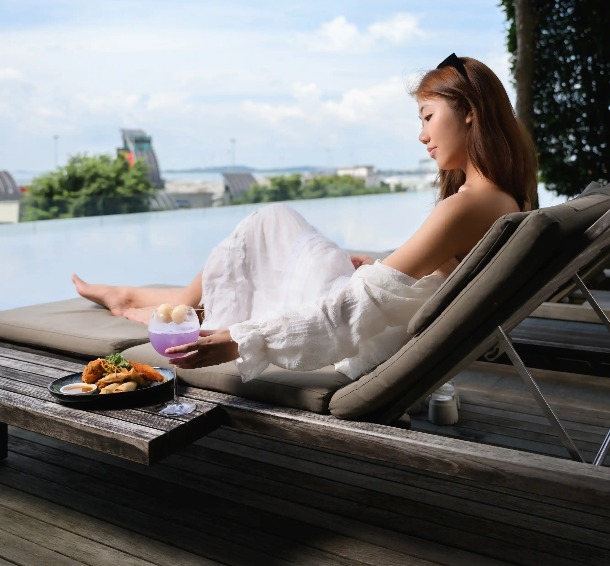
x,y
484,201
471,212
451,230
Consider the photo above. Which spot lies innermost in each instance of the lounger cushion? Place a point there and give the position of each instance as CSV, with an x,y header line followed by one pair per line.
x,y
541,245
75,325
310,391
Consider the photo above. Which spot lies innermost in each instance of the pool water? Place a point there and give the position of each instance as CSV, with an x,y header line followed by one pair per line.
x,y
170,247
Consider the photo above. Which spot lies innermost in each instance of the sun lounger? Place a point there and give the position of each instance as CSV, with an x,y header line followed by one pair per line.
x,y
522,260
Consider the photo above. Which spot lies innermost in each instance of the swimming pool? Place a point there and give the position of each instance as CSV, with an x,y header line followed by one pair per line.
x,y
38,258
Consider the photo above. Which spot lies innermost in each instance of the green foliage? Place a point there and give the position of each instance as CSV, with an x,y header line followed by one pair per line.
x,y
89,186
293,187
571,90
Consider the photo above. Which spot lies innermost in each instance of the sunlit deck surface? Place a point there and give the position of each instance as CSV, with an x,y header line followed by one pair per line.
x,y
237,497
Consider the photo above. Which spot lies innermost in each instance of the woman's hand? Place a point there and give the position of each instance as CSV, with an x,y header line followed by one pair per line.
x,y
213,347
358,260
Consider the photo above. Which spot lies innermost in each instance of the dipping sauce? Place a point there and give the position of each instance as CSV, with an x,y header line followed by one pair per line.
x,y
78,388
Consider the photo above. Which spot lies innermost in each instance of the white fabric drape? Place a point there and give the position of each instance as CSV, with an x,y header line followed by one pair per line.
x,y
361,327
272,262
291,297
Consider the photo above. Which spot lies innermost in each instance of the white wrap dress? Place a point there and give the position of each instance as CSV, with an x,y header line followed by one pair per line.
x,y
291,297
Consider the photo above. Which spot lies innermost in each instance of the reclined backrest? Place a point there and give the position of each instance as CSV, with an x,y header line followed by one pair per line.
x,y
454,329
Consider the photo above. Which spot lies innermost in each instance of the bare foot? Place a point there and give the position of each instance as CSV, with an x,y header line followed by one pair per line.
x,y
115,299
139,315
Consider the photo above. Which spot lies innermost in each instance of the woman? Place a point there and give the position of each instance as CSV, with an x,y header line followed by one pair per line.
x,y
329,313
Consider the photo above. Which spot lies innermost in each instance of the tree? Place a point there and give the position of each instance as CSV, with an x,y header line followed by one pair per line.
x,y
525,26
89,186
570,87
292,187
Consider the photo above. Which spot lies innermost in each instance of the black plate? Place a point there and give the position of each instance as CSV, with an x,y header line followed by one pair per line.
x,y
157,392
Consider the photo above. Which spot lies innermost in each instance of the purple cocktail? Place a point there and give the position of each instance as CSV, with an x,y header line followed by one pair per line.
x,y
162,342
168,327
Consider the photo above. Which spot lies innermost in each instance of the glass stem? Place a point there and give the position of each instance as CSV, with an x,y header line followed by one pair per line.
x,y
175,384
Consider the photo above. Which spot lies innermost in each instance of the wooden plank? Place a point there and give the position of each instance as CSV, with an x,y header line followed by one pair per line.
x,y
17,550
77,547
567,311
36,386
72,530
139,443
73,425
498,408
239,494
498,466
422,484
138,434
570,335
3,440
463,515
46,359
200,518
184,520
365,512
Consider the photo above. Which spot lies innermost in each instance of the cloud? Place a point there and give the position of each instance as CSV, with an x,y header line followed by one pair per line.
x,y
341,36
10,75
379,106
396,30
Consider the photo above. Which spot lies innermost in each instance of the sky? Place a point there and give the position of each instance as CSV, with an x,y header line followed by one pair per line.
x,y
263,83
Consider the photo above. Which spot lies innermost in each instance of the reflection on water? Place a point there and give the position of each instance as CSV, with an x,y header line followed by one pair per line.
x,y
171,247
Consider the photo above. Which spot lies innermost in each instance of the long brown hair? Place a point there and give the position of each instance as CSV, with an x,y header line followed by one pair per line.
x,y
497,143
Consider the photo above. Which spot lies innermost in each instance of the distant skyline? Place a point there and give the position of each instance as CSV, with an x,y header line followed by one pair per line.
x,y
264,84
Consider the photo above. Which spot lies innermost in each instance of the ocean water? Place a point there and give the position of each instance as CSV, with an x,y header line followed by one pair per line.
x,y
38,258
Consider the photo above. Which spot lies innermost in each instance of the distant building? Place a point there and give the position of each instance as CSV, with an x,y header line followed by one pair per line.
x,y
236,184
138,146
10,199
366,172
422,178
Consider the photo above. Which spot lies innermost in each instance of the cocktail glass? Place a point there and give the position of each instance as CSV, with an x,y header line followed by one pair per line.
x,y
165,332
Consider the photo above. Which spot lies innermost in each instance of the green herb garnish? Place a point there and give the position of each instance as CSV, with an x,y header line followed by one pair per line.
x,y
118,360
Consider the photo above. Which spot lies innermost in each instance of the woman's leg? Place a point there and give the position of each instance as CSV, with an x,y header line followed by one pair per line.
x,y
120,299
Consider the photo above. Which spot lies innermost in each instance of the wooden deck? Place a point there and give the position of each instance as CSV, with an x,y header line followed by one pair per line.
x,y
241,498
244,498
498,409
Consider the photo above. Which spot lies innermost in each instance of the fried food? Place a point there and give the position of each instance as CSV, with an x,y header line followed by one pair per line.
x,y
111,388
148,372
94,371
113,378
114,374
126,386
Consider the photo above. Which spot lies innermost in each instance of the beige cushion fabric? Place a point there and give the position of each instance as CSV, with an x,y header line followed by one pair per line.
x,y
74,325
310,391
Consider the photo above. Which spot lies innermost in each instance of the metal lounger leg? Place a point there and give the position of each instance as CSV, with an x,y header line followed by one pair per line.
x,y
591,299
542,402
605,446
603,451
